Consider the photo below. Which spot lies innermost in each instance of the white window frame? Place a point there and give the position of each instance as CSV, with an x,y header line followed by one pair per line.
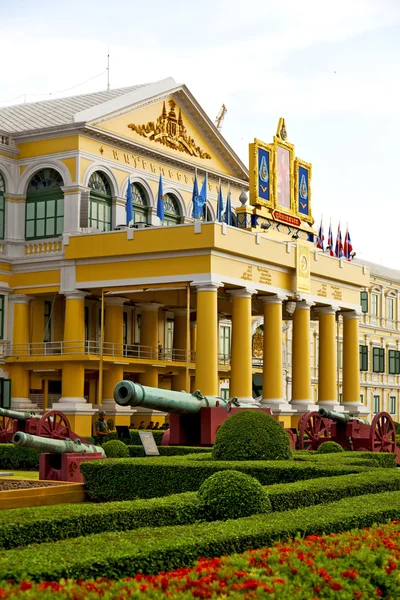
x,y
390,308
376,400
374,304
392,402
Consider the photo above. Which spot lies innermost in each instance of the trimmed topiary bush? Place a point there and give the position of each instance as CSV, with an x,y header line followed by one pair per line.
x,y
251,435
231,495
116,449
328,447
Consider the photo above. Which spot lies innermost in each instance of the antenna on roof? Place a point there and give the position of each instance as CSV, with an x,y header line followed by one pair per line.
x,y
108,69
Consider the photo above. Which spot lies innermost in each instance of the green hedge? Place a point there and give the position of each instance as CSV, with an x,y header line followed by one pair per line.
x,y
23,526
18,458
151,550
153,477
138,451
378,459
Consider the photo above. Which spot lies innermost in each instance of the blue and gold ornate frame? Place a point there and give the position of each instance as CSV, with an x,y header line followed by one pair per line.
x,y
302,190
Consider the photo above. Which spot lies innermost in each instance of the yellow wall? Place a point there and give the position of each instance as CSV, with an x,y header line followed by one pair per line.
x,y
50,146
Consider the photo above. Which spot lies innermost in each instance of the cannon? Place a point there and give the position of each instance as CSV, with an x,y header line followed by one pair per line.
x,y
352,433
59,459
53,424
194,418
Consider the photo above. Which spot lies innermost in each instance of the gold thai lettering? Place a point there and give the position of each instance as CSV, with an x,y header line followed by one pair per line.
x,y
126,158
170,173
152,168
144,164
116,154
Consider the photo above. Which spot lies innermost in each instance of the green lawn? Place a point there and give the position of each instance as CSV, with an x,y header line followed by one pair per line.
x,y
21,474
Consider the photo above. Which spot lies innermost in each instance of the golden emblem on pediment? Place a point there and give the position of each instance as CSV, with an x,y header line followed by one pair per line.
x,y
170,131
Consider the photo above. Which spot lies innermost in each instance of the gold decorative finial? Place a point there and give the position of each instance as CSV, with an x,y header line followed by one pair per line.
x,y
281,132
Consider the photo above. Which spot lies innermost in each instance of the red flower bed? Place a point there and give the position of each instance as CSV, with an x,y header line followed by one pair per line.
x,y
360,564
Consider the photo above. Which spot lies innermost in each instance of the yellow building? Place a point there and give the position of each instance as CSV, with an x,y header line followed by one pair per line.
x,y
184,304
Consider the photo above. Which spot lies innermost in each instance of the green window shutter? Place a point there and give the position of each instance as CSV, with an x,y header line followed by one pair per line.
x,y
392,362
364,302
363,358
381,360
375,360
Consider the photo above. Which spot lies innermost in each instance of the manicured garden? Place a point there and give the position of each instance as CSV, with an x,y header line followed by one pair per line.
x,y
289,512
359,564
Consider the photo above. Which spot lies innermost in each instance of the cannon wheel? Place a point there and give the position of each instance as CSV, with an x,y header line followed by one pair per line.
x,y
383,433
6,428
54,424
317,429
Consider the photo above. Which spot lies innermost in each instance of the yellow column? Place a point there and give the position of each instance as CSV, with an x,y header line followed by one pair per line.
x,y
327,358
301,368
45,394
19,307
193,337
73,379
149,342
272,354
149,330
21,327
241,354
38,325
180,346
351,358
111,376
74,323
207,380
114,327
180,333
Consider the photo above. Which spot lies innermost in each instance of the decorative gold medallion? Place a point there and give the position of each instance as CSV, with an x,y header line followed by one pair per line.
x,y
170,131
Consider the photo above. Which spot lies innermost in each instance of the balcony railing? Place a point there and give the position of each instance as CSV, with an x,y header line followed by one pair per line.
x,y
91,347
110,349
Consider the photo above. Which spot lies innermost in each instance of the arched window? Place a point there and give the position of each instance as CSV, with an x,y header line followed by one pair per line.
x,y
140,204
207,214
100,202
2,205
44,216
172,211
233,219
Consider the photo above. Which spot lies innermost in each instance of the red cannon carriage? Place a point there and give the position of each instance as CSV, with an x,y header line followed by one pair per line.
x,y
350,432
53,424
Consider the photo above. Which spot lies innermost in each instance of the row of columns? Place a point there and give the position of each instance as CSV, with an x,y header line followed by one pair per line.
x,y
241,351
207,359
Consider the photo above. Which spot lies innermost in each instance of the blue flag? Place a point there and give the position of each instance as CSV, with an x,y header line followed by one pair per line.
x,y
220,204
195,195
203,195
160,201
228,208
129,203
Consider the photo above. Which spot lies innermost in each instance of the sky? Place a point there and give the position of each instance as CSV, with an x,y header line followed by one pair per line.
x,y
332,69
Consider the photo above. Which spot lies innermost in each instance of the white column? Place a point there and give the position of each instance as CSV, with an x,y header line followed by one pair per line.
x,y
74,198
118,216
14,226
